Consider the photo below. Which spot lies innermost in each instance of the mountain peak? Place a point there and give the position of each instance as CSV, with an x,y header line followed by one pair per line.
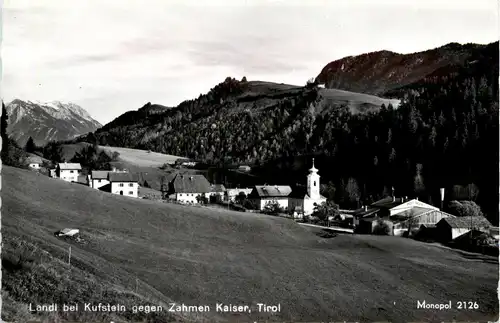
x,y
44,121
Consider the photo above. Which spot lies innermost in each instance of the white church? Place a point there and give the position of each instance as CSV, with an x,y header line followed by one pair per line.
x,y
300,199
303,200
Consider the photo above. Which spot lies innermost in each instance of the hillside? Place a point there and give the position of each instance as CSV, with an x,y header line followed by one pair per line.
x,y
202,256
440,131
133,157
47,121
382,71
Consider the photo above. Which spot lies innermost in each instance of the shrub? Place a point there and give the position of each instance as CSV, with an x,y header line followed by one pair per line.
x,y
381,228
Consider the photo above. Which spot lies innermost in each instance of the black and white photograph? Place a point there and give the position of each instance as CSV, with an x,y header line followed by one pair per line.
x,y
249,161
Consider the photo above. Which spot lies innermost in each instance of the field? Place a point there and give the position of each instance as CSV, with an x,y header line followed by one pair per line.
x,y
357,102
200,256
135,157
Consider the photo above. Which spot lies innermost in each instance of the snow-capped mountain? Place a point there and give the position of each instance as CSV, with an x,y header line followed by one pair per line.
x,y
47,121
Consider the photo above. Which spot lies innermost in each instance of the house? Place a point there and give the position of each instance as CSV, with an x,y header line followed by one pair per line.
x,y
400,214
99,178
412,219
305,198
217,191
34,162
244,168
122,183
52,173
232,193
188,188
68,171
263,194
453,227
321,86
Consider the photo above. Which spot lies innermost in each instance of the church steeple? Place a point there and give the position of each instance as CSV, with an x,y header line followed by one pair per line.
x,y
313,169
313,182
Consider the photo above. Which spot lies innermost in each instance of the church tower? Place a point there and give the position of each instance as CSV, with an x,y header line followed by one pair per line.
x,y
313,183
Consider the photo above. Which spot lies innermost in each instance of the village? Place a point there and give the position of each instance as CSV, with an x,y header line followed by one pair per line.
x,y
393,215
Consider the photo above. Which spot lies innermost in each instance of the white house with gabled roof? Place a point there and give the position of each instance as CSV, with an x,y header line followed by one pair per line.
x,y
68,172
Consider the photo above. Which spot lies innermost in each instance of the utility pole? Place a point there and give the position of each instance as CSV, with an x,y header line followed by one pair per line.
x,y
69,256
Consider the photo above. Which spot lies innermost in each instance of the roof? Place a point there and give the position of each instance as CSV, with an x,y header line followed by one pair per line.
x,y
100,174
300,192
190,184
365,213
68,230
388,203
34,160
69,166
122,177
466,221
413,212
272,191
217,188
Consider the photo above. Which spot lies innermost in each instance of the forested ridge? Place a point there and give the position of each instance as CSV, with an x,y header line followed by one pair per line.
x,y
444,133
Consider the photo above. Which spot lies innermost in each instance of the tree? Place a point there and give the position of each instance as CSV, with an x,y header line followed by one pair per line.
x,y
352,190
53,151
3,130
272,207
325,210
240,198
30,145
202,199
418,182
464,208
381,228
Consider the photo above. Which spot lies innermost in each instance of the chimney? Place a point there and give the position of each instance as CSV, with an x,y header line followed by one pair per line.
x,y
406,198
416,198
393,198
402,199
366,208
441,190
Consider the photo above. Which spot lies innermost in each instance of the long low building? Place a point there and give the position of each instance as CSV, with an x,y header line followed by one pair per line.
x,y
401,215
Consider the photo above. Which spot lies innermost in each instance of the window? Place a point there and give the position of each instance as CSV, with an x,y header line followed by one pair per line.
x,y
130,193
121,184
71,171
130,185
314,183
98,180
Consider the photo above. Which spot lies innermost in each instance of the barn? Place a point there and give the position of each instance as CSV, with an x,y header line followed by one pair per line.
x,y
451,228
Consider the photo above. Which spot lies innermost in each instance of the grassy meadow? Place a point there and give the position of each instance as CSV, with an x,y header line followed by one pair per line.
x,y
145,252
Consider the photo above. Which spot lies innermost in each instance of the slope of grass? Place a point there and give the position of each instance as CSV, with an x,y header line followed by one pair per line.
x,y
200,256
357,102
142,157
130,156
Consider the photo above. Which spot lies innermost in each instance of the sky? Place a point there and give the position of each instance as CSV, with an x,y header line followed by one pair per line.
x,y
113,56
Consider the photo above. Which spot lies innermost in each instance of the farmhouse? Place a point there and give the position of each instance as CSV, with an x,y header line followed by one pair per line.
x,y
123,184
303,199
264,194
231,193
400,214
451,228
217,191
99,178
34,162
68,171
188,188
